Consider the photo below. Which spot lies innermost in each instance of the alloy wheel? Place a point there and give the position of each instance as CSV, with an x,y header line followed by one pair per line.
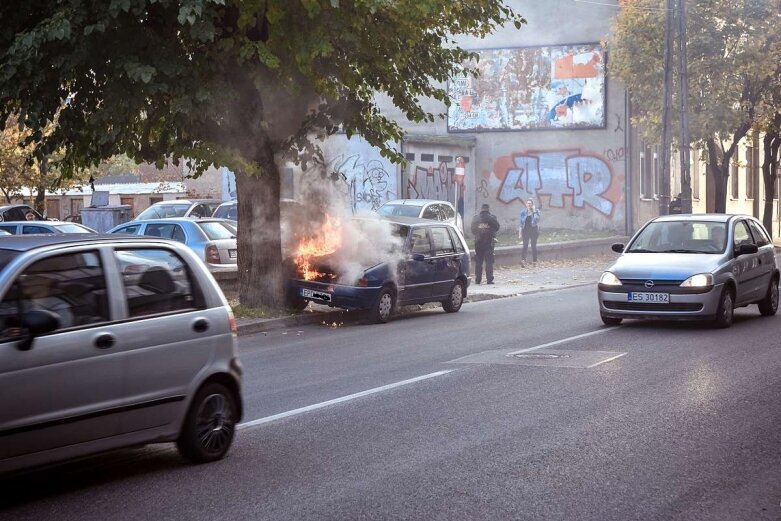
x,y
214,423
385,306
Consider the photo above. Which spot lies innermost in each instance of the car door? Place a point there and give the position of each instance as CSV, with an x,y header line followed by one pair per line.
x,y
166,338
65,389
765,255
415,276
746,267
446,262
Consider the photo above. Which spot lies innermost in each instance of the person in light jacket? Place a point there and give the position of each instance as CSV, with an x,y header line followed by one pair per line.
x,y
528,229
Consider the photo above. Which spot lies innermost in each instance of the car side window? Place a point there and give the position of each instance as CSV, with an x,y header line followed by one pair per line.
x,y
448,212
72,286
431,212
166,231
419,241
14,214
199,211
456,241
10,229
742,234
29,230
760,236
443,244
128,230
157,281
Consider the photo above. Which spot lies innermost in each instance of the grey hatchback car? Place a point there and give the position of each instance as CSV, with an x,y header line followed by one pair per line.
x,y
699,266
108,342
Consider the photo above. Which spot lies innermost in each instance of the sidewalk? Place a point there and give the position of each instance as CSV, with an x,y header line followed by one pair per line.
x,y
508,281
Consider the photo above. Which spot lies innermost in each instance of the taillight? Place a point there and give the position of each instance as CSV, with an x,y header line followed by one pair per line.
x,y
212,255
232,323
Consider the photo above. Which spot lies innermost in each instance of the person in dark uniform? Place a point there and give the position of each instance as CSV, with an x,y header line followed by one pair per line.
x,y
484,228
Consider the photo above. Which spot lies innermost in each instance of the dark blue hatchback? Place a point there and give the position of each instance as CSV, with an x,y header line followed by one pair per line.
x,y
432,267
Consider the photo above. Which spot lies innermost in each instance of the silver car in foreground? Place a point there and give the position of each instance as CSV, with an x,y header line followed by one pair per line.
x,y
691,267
212,240
109,342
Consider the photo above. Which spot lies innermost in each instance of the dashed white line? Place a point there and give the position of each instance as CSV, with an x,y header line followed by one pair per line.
x,y
619,355
564,340
313,407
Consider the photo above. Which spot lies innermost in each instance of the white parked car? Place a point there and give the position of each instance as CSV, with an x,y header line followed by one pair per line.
x,y
431,209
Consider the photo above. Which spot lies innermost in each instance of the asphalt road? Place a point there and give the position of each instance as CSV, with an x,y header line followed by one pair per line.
x,y
644,421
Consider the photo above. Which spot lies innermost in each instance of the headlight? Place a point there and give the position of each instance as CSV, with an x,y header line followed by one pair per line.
x,y
608,279
700,280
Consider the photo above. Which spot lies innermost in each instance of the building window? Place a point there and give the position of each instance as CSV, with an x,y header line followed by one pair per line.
x,y
749,172
129,201
153,200
648,166
734,183
694,171
655,171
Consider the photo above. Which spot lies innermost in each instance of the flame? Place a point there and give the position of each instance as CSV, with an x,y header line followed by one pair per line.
x,y
325,241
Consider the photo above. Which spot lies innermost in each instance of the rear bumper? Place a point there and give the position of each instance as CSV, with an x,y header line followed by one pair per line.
x,y
699,306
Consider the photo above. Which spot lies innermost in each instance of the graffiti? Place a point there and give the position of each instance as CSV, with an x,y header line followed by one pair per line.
x,y
431,182
619,126
366,184
482,188
615,154
531,88
558,174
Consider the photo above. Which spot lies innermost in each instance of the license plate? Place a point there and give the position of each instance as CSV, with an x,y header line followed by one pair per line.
x,y
651,298
318,295
232,254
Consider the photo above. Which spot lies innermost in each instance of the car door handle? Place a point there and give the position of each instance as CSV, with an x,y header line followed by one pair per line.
x,y
200,325
105,341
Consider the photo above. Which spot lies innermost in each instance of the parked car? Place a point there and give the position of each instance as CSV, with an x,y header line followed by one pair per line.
x,y
691,267
213,240
291,211
19,212
227,210
43,227
424,209
180,208
93,358
432,266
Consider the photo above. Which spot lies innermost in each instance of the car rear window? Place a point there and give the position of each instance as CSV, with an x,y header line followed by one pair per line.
x,y
74,228
215,230
164,211
229,211
403,210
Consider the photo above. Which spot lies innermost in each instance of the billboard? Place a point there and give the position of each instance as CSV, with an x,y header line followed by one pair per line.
x,y
531,88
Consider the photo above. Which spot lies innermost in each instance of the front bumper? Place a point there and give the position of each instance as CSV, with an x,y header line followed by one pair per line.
x,y
682,306
336,295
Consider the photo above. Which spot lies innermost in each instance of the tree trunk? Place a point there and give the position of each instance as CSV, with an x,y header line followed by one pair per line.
x,y
770,145
718,172
40,190
262,277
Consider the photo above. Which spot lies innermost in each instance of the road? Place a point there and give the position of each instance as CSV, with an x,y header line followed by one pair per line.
x,y
432,417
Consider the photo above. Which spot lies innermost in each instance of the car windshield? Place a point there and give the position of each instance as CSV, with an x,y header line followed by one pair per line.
x,y
228,211
215,230
404,210
680,237
74,228
6,256
164,211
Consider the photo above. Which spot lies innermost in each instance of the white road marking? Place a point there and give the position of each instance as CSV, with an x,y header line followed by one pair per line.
x,y
313,407
563,340
619,355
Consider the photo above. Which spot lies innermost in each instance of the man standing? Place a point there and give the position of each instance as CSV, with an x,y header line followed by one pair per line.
x,y
484,228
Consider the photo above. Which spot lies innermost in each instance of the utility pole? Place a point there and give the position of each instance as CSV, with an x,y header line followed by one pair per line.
x,y
664,185
683,64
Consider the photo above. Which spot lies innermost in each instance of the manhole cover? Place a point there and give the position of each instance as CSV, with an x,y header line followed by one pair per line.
x,y
538,356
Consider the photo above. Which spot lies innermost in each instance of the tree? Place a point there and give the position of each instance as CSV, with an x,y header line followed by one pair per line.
x,y
733,58
14,159
771,142
239,83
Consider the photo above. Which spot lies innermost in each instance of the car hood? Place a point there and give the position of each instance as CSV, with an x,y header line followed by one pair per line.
x,y
663,266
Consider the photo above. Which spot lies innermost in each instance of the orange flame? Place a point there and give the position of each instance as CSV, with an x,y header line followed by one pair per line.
x,y
325,241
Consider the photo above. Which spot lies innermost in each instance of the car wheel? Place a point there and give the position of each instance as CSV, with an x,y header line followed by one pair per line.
x,y
383,307
295,302
610,321
209,426
453,303
726,310
769,305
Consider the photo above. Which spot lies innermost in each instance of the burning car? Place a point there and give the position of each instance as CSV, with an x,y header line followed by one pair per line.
x,y
379,264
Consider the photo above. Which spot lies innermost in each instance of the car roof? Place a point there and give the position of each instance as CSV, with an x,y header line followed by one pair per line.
x,y
414,202
187,201
709,217
173,220
7,206
404,221
43,223
31,242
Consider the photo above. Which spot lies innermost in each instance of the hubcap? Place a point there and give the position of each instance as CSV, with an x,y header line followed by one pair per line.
x,y
456,296
728,308
214,425
386,303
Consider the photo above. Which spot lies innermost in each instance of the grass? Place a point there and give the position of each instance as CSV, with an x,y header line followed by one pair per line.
x,y
548,236
240,311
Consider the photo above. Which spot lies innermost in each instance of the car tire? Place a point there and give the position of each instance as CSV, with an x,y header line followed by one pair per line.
x,y
610,321
768,306
210,424
296,303
453,303
726,310
383,307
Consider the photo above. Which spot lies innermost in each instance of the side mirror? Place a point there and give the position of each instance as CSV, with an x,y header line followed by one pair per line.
x,y
746,249
37,322
418,257
617,247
